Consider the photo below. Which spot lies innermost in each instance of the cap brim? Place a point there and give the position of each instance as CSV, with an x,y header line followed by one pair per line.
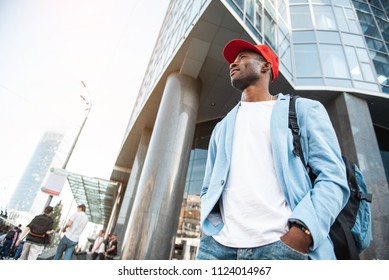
x,y
234,47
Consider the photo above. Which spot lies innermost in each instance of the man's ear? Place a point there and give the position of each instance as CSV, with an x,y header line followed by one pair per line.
x,y
266,67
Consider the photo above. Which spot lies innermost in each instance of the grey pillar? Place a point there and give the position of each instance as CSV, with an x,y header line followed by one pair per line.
x,y
154,219
351,118
121,227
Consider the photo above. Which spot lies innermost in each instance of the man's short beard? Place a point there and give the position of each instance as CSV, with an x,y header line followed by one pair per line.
x,y
242,83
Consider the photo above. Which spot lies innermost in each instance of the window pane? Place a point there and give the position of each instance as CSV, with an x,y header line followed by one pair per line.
x,y
379,13
368,86
307,61
238,6
303,36
239,3
301,17
270,9
283,40
328,37
341,18
283,11
376,3
309,81
385,5
250,10
270,30
271,1
344,3
367,72
334,62
350,13
381,62
324,17
285,58
283,28
363,56
196,169
258,17
354,26
375,44
339,83
361,6
321,1
384,28
353,40
368,24
353,63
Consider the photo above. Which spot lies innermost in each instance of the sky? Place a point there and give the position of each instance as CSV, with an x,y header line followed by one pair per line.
x,y
48,50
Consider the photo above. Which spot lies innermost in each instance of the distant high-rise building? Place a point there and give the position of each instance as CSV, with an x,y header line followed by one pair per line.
x,y
31,181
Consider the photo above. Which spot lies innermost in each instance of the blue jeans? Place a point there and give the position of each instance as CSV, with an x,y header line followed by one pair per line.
x,y
210,249
4,251
67,246
19,250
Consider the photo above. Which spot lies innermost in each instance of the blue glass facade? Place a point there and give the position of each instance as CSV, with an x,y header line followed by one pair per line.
x,y
374,20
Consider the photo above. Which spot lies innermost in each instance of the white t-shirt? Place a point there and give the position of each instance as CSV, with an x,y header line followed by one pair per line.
x,y
253,207
79,222
98,245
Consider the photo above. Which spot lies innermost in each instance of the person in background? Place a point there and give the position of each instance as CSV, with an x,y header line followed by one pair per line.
x,y
73,229
98,248
112,248
9,242
36,233
18,231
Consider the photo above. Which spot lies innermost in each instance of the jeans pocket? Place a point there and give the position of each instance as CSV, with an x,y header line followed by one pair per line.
x,y
291,253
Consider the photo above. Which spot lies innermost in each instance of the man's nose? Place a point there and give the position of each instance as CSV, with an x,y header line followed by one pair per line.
x,y
233,64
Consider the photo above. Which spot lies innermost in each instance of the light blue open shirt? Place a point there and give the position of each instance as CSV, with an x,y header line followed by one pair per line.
x,y
315,206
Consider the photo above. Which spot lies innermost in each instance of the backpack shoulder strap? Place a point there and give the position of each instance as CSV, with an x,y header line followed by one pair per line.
x,y
352,177
293,125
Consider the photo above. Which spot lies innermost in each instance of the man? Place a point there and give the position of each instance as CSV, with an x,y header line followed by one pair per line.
x,y
112,248
98,248
9,242
73,229
257,199
37,232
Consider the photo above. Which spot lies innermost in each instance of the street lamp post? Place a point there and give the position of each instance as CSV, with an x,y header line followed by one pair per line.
x,y
88,108
88,103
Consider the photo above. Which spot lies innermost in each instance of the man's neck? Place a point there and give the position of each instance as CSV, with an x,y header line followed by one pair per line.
x,y
256,94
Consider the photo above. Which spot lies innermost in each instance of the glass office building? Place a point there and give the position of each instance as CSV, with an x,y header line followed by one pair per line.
x,y
336,52
30,183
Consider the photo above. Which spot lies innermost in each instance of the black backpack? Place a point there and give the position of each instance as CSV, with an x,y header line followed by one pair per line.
x,y
351,231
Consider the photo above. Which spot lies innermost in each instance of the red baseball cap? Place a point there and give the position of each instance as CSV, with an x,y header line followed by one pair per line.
x,y
234,47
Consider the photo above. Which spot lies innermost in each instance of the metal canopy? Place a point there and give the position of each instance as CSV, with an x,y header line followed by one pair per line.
x,y
97,194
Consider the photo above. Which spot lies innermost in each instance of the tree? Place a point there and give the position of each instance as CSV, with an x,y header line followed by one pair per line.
x,y
56,215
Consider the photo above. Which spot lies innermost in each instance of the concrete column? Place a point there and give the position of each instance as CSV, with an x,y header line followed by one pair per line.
x,y
351,118
121,227
154,219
